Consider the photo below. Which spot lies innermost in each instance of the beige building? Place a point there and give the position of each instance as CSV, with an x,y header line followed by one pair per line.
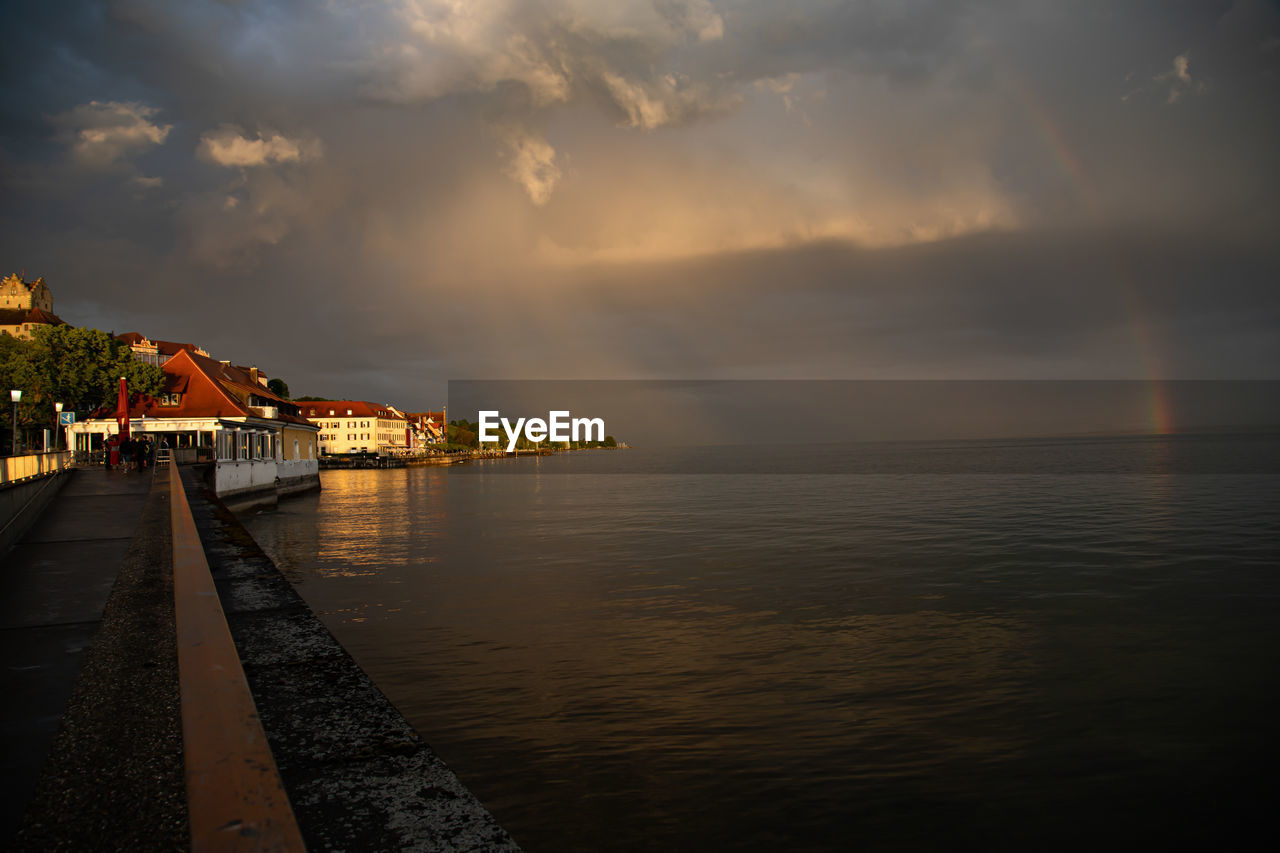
x,y
156,352
24,305
356,426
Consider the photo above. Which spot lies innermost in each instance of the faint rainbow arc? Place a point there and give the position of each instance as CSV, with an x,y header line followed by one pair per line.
x,y
1159,407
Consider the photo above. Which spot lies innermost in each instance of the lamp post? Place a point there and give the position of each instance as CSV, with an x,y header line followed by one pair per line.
x,y
57,426
15,395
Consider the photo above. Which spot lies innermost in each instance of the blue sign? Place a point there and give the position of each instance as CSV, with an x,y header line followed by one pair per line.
x,y
66,418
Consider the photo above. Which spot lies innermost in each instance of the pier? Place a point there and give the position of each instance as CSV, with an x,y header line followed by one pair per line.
x,y
129,722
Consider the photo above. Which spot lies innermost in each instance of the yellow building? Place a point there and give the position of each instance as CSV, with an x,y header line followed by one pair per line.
x,y
24,305
356,426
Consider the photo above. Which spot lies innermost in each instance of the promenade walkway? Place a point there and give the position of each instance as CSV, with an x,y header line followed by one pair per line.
x,y
53,586
94,723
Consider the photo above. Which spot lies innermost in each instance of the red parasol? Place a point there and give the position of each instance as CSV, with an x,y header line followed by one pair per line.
x,y
122,410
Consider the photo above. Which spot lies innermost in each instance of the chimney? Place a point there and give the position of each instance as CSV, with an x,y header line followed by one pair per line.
x,y
253,376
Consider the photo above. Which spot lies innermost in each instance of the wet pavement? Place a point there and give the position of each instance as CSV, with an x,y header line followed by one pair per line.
x,y
54,584
92,737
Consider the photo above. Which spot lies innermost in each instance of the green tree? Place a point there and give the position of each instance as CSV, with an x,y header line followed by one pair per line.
x,y
81,368
278,387
609,441
460,433
15,373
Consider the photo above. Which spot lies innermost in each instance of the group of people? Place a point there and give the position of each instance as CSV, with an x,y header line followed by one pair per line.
x,y
137,454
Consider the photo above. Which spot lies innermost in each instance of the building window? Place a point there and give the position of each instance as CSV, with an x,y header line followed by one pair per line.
x,y
173,399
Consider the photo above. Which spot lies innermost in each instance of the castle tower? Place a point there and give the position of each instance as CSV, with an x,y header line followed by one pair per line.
x,y
25,305
16,293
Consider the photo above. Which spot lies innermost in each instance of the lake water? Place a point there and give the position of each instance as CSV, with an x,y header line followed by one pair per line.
x,y
974,644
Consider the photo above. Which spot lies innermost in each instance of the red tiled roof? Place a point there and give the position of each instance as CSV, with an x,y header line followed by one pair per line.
x,y
169,348
209,390
39,315
18,316
359,409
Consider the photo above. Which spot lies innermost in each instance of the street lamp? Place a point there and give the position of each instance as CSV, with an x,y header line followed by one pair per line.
x,y
15,395
57,426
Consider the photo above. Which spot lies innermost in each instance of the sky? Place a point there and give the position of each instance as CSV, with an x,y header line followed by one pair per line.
x,y
369,199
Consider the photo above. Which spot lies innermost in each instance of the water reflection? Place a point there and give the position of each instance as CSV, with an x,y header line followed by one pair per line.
x,y
645,661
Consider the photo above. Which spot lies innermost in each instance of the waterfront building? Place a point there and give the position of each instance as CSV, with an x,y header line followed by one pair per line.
x,y
155,351
358,426
426,428
213,411
25,305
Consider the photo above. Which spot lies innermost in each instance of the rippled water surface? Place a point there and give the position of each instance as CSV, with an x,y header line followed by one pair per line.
x,y
626,660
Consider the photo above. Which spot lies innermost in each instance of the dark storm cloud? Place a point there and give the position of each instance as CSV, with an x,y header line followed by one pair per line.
x,y
1082,306
370,199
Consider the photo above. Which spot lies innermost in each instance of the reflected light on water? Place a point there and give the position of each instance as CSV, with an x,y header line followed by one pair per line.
x,y
645,662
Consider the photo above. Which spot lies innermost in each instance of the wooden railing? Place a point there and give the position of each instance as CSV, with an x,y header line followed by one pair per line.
x,y
17,468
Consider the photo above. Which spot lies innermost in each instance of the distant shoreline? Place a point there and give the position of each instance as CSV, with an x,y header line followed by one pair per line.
x,y
332,463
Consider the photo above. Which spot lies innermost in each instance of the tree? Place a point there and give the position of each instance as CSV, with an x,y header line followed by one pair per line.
x,y
609,441
278,387
80,368
16,373
461,433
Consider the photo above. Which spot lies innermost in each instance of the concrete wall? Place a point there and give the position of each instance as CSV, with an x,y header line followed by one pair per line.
x,y
233,477
297,477
357,774
252,482
21,505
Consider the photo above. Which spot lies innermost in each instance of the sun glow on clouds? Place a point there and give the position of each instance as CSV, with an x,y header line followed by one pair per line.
x,y
104,132
228,146
655,70
405,160
531,162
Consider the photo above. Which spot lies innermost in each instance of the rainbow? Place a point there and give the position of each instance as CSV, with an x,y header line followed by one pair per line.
x,y
1065,159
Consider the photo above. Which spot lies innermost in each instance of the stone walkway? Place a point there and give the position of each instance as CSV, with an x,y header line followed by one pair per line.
x,y
53,586
92,735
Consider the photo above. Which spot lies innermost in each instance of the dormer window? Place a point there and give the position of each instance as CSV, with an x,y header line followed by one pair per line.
x,y
171,399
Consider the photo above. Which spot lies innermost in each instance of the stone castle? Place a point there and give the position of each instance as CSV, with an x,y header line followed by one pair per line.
x,y
24,305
